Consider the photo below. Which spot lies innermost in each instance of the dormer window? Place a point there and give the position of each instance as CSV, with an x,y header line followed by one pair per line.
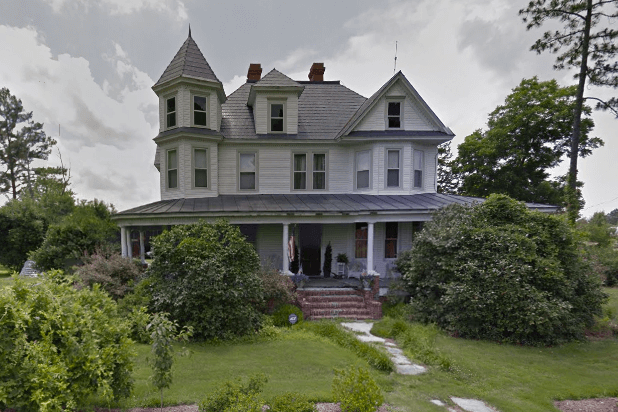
x,y
393,115
200,105
170,112
276,121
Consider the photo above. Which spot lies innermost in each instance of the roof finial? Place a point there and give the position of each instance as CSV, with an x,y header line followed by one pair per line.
x,y
189,29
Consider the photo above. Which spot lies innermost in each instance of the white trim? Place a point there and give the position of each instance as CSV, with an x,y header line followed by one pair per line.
x,y
422,169
167,168
257,168
394,99
206,96
269,103
175,112
370,179
309,170
194,168
399,150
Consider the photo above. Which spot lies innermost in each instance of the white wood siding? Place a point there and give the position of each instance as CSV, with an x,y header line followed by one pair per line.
x,y
269,244
184,104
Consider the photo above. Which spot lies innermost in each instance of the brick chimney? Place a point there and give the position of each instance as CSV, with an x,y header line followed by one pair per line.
x,y
255,72
316,74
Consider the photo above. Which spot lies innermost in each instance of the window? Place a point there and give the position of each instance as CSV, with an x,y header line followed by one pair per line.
x,y
170,112
319,171
249,231
416,227
360,237
247,171
200,167
277,117
392,168
393,115
390,246
300,171
363,166
418,168
172,169
200,115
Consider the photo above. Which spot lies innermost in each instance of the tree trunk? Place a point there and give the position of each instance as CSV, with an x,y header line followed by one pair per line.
x,y
572,200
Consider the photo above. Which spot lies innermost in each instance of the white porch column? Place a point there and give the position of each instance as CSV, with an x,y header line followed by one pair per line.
x,y
129,245
369,246
142,247
123,241
286,239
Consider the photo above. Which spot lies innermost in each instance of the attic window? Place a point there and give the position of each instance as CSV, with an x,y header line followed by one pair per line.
x,y
394,115
170,110
277,117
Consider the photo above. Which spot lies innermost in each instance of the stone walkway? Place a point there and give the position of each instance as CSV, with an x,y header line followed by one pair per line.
x,y
405,367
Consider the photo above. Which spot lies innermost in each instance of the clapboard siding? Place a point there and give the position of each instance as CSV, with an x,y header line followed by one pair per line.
x,y
269,244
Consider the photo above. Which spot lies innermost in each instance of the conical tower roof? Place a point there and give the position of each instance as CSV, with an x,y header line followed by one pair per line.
x,y
188,62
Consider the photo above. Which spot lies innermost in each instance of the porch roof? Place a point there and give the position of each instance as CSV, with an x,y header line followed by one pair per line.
x,y
284,204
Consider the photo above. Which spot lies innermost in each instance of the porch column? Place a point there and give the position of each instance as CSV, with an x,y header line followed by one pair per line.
x,y
123,241
286,239
369,246
129,245
142,247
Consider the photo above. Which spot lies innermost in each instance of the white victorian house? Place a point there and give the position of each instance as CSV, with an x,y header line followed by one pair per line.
x,y
281,157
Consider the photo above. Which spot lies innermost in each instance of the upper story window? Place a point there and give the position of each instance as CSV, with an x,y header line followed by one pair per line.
x,y
172,169
276,118
309,171
200,168
390,245
319,171
300,171
393,169
393,114
200,112
363,169
247,176
419,160
170,112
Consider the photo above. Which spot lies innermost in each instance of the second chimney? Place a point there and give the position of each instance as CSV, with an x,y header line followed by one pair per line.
x,y
316,73
255,72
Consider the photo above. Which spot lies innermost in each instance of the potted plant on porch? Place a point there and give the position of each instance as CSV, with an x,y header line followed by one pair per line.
x,y
328,260
342,262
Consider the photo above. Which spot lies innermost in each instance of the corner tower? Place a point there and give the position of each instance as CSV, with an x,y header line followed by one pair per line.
x,y
190,98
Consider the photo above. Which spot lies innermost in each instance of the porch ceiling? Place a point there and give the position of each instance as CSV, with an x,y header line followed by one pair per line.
x,y
306,204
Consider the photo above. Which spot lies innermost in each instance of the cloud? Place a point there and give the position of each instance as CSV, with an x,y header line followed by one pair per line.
x,y
100,124
174,7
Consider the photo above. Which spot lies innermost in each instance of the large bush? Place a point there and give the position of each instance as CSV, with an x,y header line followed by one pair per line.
x,y
205,276
60,345
501,272
78,234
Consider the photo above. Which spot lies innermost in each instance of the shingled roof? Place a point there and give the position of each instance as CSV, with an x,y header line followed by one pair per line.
x,y
323,109
188,62
275,78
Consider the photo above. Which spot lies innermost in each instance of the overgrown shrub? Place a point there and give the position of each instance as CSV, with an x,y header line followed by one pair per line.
x,y
291,402
115,274
60,345
87,227
501,272
335,333
356,390
282,314
205,276
134,307
604,261
278,289
236,394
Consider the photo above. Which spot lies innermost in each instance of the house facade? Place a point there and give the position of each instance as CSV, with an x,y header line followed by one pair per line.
x,y
310,162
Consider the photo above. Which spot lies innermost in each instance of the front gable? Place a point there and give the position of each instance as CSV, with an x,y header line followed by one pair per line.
x,y
396,110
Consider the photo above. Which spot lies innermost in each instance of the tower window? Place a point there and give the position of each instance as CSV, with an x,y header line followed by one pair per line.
x,y
171,112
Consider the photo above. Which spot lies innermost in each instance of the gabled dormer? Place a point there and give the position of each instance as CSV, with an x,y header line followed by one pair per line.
x,y
396,110
274,99
190,94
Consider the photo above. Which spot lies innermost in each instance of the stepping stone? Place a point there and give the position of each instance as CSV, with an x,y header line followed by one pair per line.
x,y
472,405
370,338
411,369
391,344
395,351
363,327
400,360
437,402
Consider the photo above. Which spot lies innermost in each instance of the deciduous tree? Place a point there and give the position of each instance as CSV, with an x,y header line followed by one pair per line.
x,y
527,136
21,141
587,42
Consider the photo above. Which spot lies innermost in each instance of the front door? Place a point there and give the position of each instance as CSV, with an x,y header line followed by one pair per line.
x,y
310,240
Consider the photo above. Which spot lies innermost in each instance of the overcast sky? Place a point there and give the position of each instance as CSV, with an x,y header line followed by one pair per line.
x,y
88,66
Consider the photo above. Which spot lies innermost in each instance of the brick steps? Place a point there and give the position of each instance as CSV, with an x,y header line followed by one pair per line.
x,y
339,303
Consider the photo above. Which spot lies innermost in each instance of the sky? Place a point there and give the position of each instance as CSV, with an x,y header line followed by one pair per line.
x,y
85,69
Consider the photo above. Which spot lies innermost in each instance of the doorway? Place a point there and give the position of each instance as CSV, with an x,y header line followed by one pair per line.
x,y
310,240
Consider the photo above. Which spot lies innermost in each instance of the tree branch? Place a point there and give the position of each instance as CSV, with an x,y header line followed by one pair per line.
x,y
604,104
